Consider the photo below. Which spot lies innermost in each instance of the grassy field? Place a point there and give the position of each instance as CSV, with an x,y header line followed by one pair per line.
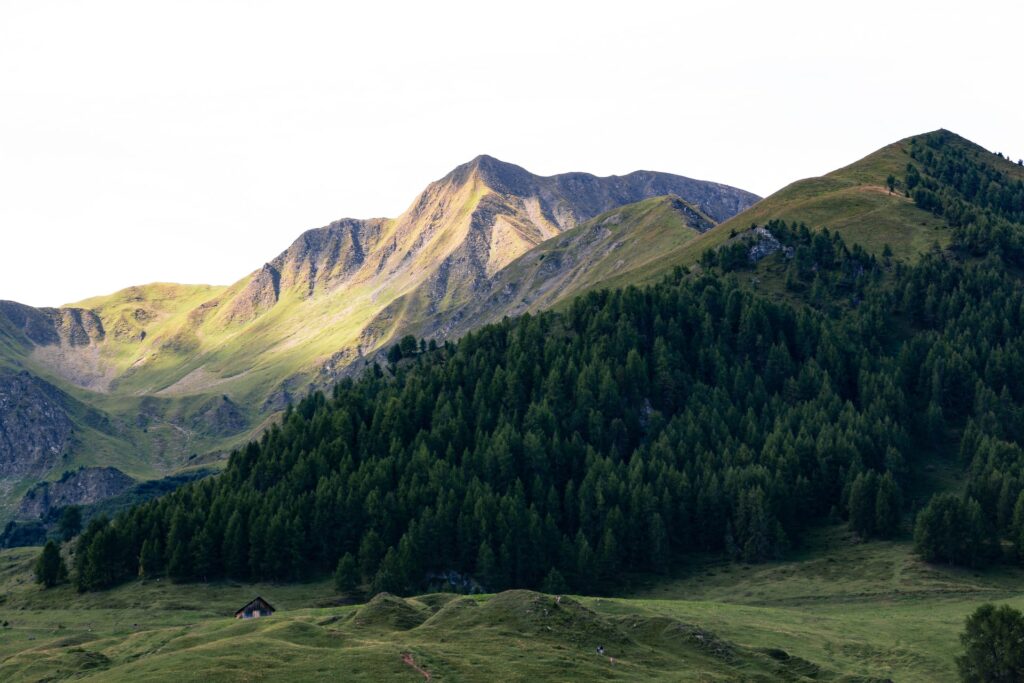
x,y
836,609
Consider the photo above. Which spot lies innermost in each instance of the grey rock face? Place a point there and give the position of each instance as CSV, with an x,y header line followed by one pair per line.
x,y
82,487
764,244
220,416
45,326
35,430
324,257
571,198
31,322
259,295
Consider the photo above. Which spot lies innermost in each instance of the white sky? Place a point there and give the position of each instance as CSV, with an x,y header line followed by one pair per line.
x,y
191,142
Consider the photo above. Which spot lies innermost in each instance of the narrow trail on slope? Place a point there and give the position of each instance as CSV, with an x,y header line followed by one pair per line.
x,y
408,660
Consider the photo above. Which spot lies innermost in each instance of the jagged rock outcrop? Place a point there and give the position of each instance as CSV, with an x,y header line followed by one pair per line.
x,y
35,429
80,487
321,259
219,416
33,323
258,296
76,326
571,198
44,326
762,244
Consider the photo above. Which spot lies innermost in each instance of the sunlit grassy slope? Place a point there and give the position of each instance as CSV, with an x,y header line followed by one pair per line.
x,y
852,200
628,239
837,610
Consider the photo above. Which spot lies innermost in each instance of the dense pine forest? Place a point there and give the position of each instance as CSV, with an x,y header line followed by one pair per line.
x,y
559,450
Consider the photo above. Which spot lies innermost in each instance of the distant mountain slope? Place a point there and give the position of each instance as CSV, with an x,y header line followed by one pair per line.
x,y
606,251
316,300
187,369
853,200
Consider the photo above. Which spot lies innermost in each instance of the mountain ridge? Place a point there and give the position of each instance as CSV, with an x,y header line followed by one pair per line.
x,y
198,369
156,355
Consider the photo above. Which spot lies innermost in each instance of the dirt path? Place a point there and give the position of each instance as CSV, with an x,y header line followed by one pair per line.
x,y
408,660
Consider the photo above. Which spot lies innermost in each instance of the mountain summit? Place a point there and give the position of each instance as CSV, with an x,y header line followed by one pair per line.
x,y
581,196
456,236
184,369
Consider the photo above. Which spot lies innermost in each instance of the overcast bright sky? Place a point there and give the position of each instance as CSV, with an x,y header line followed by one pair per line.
x,y
192,142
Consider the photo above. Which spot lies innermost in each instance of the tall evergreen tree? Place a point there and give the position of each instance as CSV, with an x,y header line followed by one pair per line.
x,y
50,569
346,574
70,524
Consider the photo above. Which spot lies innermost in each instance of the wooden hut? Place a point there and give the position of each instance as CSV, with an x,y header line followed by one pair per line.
x,y
256,608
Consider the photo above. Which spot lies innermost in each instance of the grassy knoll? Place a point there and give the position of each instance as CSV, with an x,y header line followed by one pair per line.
x,y
852,200
835,609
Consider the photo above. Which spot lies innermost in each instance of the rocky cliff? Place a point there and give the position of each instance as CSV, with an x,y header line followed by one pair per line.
x,y
35,429
462,230
79,487
608,250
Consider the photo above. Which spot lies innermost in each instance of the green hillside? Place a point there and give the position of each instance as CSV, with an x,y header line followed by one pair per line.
x,y
624,242
838,610
641,425
853,201
801,460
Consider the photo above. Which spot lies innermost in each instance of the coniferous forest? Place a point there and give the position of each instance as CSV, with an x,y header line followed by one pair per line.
x,y
559,450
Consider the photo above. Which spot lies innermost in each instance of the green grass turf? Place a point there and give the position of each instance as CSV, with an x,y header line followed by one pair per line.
x,y
836,609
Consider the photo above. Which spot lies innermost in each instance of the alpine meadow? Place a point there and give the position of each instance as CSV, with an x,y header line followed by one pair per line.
x,y
639,395
759,450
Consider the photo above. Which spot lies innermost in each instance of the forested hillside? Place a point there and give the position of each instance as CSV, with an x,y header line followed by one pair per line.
x,y
640,425
185,373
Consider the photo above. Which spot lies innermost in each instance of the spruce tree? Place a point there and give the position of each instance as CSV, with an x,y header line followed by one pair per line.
x,y
149,559
346,574
70,524
50,569
863,504
887,506
371,552
554,583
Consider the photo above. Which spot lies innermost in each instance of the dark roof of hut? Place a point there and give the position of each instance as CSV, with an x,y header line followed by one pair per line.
x,y
261,599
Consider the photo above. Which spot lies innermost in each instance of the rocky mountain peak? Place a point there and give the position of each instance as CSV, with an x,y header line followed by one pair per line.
x,y
500,176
